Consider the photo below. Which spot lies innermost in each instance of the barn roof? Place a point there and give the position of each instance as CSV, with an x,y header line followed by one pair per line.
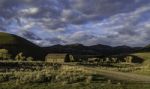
x,y
57,55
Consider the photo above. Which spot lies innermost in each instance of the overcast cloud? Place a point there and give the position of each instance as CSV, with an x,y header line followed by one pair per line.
x,y
89,22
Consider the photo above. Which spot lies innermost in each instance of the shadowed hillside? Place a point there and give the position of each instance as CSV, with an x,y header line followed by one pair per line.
x,y
17,44
91,50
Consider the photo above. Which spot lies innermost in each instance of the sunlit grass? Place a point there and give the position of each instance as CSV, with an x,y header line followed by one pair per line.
x,y
145,68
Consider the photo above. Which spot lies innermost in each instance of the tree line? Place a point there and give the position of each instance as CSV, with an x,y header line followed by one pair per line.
x,y
5,55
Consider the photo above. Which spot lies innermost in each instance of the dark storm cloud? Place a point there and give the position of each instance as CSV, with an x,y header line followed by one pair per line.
x,y
112,22
30,35
65,11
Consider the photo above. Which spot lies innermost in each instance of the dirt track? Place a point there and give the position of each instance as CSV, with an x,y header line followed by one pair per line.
x,y
121,75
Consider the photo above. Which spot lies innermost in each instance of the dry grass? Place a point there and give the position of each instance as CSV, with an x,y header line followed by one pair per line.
x,y
145,68
65,74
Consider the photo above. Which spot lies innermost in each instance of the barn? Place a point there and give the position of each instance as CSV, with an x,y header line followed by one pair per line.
x,y
59,58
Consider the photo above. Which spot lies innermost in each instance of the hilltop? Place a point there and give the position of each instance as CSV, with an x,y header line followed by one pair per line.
x,y
16,44
98,49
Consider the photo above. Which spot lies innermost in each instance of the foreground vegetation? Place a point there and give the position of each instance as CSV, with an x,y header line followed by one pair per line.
x,y
61,77
94,85
93,73
51,77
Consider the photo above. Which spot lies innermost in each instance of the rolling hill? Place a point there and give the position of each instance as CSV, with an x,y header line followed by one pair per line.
x,y
145,56
91,50
145,49
16,44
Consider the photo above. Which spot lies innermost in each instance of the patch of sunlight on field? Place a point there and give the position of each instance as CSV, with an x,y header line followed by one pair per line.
x,y
145,56
145,65
142,72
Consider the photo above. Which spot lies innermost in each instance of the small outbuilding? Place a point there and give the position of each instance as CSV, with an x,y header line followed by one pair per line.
x,y
59,58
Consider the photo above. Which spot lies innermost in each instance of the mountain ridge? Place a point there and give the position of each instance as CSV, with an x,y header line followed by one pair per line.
x,y
16,44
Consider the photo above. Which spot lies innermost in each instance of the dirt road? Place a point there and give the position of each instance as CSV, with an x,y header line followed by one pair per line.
x,y
121,75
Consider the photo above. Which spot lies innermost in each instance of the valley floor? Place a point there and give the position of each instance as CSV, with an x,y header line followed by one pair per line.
x,y
43,75
121,75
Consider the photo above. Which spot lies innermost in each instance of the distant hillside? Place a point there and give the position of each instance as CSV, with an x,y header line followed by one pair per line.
x,y
16,44
146,48
90,50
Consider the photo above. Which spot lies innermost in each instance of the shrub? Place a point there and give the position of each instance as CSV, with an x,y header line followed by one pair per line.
x,y
29,59
20,57
128,59
68,75
4,54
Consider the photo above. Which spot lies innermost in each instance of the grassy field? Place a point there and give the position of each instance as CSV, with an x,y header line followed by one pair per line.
x,y
136,68
51,78
45,75
145,56
66,77
145,67
11,85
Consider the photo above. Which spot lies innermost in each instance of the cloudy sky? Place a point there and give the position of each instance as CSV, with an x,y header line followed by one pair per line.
x,y
89,22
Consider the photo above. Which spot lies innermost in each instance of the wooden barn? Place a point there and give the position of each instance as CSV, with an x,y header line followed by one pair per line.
x,y
59,58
